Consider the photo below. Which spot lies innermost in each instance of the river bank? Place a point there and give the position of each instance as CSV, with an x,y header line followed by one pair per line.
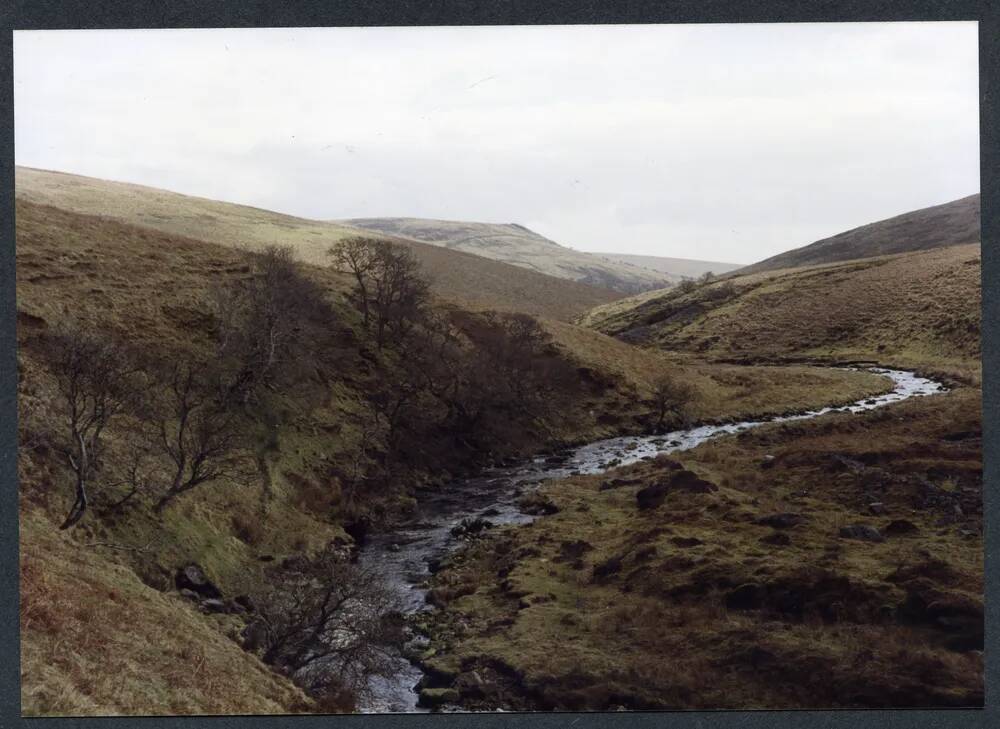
x,y
471,585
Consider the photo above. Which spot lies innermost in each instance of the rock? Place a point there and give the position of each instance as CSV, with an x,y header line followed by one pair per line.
x,y
745,597
767,461
877,508
434,697
469,527
861,531
651,496
491,512
784,520
436,564
778,539
472,685
394,547
192,577
245,602
690,482
899,527
190,594
214,606
686,541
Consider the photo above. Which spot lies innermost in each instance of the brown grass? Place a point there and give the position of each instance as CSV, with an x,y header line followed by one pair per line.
x,y
456,276
655,630
97,641
918,309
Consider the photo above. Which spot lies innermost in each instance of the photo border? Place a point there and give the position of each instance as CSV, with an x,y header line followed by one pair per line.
x,y
125,14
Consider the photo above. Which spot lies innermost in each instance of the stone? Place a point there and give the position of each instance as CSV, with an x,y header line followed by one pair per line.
x,y
862,532
192,577
877,508
214,606
651,496
900,527
690,482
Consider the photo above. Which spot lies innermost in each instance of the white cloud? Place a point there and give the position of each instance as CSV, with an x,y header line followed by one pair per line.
x,y
721,142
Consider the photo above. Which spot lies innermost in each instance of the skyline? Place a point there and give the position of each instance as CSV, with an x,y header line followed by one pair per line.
x,y
729,143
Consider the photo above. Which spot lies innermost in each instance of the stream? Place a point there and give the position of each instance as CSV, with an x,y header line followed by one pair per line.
x,y
402,556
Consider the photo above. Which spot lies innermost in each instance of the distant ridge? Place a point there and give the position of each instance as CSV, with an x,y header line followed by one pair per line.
x,y
515,244
684,267
951,224
473,281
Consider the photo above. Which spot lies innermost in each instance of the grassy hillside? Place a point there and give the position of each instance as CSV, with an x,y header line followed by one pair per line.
x,y
466,279
742,593
519,246
915,308
675,267
154,290
827,563
951,224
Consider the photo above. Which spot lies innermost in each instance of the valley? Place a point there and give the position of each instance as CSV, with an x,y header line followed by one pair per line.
x,y
758,490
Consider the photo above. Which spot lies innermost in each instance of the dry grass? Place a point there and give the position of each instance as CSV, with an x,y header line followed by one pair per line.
x,y
461,277
97,641
657,631
917,309
720,391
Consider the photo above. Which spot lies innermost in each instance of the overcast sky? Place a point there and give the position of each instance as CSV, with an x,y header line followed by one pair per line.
x,y
724,142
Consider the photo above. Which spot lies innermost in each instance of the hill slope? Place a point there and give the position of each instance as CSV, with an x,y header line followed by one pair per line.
x,y
950,224
463,278
678,267
116,567
908,308
516,244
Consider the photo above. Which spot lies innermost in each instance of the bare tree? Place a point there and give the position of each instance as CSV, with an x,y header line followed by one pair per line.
x,y
510,372
93,376
670,396
327,618
389,290
358,257
194,431
261,324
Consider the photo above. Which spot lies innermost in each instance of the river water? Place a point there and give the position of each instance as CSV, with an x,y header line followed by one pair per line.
x,y
402,556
